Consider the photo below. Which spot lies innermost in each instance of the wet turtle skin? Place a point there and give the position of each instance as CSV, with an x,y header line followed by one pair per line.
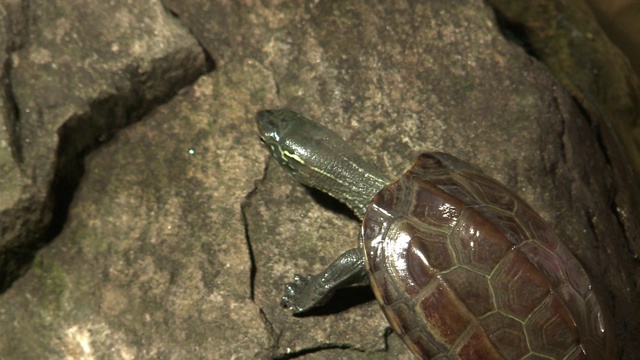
x,y
464,268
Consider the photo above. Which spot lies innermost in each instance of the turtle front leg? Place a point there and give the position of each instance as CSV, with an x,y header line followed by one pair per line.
x,y
307,292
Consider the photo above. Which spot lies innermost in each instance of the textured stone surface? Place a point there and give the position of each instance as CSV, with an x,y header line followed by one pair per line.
x,y
153,261
74,73
171,254
567,37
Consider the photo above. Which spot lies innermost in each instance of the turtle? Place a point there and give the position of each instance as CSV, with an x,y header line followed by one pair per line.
x,y
461,266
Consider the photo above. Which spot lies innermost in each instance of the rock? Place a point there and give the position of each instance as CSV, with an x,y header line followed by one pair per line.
x,y
153,261
78,71
183,231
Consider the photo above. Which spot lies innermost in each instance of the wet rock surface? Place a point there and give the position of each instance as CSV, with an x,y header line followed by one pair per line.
x,y
182,231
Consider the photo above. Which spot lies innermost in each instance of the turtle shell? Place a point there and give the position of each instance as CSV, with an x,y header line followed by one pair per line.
x,y
464,268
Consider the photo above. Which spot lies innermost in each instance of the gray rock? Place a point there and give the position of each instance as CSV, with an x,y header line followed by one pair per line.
x,y
183,231
153,261
77,71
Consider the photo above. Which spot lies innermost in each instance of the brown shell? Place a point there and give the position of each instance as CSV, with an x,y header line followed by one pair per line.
x,y
462,267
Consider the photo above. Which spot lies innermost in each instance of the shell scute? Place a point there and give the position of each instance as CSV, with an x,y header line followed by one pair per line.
x,y
445,316
575,274
433,206
536,227
413,270
507,333
519,287
488,192
469,285
403,317
550,329
510,225
476,345
546,261
422,270
477,242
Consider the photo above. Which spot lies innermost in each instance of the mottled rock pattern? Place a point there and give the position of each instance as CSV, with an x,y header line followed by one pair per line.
x,y
74,72
182,232
153,261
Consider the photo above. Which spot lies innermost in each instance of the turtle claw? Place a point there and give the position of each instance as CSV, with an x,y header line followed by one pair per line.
x,y
296,294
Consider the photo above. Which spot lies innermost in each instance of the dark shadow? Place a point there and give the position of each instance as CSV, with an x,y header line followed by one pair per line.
x,y
342,300
516,33
330,203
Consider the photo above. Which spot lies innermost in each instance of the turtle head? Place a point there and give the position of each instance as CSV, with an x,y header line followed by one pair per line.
x,y
318,157
285,132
